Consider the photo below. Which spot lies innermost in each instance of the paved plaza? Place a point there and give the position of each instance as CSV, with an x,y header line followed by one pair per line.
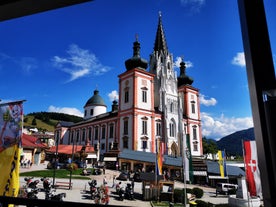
x,y
80,193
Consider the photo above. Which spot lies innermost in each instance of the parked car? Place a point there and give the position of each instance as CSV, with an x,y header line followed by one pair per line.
x,y
226,188
122,176
57,165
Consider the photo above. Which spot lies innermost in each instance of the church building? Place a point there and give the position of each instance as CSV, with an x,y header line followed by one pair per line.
x,y
156,109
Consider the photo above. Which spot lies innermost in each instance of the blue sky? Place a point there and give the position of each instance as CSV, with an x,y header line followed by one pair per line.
x,y
56,59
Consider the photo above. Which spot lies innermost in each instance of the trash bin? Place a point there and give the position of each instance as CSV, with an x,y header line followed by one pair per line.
x,y
147,193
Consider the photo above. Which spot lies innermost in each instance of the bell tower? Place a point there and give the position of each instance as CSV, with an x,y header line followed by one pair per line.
x,y
165,89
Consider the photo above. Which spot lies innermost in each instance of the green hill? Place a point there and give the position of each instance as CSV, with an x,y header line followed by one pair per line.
x,y
46,121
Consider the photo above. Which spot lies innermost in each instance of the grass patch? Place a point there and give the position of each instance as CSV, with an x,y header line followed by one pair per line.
x,y
60,173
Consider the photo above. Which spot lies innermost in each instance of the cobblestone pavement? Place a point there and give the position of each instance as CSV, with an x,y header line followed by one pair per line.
x,y
80,194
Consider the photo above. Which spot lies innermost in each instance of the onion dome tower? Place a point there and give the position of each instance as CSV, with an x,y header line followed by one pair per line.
x,y
183,79
94,106
136,61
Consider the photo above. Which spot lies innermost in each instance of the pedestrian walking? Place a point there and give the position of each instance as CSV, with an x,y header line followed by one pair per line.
x,y
132,184
104,181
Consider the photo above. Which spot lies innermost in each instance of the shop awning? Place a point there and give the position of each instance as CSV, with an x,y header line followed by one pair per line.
x,y
90,156
110,159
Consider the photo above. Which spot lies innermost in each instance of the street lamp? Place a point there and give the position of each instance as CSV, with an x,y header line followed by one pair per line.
x,y
56,156
71,164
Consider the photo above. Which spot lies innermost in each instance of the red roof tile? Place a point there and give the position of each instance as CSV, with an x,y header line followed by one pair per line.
x,y
31,141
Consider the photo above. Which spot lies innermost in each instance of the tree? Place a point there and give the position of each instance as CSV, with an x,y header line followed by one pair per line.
x,y
34,122
209,146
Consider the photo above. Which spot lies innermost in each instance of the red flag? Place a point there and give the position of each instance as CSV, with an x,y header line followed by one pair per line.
x,y
252,170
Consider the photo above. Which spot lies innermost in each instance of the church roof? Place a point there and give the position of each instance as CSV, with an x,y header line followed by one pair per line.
x,y
160,40
183,79
136,61
95,100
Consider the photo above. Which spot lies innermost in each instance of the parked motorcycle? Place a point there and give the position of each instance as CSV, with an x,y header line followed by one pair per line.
x,y
30,183
50,192
121,194
30,189
47,185
129,194
93,188
51,195
118,187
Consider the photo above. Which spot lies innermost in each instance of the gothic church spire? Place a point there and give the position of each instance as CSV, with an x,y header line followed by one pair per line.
x,y
160,41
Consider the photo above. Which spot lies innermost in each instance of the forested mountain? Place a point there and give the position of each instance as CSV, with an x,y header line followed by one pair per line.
x,y
232,144
46,121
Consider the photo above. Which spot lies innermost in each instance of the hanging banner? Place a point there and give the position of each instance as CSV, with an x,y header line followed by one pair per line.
x,y
159,158
222,163
252,169
11,116
188,161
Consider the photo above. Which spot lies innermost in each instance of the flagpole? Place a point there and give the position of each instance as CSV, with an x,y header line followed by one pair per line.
x,y
184,170
224,160
245,172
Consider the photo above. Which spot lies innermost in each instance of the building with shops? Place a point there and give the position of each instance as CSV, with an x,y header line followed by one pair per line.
x,y
155,110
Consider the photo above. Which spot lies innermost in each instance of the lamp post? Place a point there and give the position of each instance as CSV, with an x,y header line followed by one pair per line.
x,y
71,165
56,156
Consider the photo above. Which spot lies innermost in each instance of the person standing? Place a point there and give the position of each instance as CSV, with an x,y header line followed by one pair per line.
x,y
104,170
104,181
132,184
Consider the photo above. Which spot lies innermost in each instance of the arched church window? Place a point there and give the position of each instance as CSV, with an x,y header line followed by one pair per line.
x,y
195,132
144,143
172,128
126,95
193,106
126,126
158,128
144,94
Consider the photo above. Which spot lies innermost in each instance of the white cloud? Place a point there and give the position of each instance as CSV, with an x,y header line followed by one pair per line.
x,y
65,110
28,64
113,95
207,102
194,5
178,60
239,59
218,127
79,63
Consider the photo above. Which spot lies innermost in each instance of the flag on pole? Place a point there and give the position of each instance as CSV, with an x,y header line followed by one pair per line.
x,y
188,161
222,163
159,158
11,115
252,169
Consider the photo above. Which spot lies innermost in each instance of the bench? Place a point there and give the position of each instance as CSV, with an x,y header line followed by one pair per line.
x,y
60,184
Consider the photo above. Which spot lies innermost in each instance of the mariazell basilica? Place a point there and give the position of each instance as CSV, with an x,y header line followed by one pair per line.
x,y
156,110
